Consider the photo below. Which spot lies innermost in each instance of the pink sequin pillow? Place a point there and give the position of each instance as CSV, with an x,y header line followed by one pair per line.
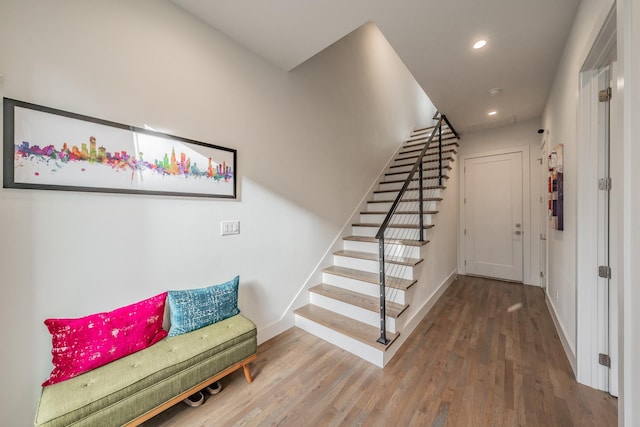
x,y
82,344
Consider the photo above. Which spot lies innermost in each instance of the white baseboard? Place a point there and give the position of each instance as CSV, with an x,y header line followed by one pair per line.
x,y
276,328
571,355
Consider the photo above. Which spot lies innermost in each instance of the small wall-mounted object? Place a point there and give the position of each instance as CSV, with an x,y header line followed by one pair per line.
x,y
229,227
556,188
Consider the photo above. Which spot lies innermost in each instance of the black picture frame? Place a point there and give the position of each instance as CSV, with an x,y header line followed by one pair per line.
x,y
49,149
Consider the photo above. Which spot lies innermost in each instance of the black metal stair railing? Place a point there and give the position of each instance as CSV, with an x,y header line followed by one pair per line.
x,y
437,130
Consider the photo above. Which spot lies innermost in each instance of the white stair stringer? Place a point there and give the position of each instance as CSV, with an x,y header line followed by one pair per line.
x,y
355,267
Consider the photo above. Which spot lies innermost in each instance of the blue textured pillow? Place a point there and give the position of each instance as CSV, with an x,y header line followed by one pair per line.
x,y
193,309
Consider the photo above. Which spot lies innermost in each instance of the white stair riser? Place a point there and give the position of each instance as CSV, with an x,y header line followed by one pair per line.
x,y
360,314
421,138
394,270
395,219
370,354
390,250
413,186
391,233
402,175
384,206
430,155
409,194
446,133
394,295
408,167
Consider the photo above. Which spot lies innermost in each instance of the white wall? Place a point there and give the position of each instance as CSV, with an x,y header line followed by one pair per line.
x,y
560,119
522,134
440,266
310,143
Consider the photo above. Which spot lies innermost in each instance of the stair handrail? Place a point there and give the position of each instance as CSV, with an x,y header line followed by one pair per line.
x,y
385,224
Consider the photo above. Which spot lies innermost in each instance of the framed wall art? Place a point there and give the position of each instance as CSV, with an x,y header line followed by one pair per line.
x,y
49,149
555,163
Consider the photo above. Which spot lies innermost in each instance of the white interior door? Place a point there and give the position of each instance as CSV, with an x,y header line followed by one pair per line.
x,y
607,296
493,231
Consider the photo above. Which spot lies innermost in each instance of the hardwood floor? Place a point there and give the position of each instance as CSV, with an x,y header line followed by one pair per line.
x,y
470,362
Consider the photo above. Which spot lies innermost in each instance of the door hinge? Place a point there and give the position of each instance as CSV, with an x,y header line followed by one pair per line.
x,y
541,274
604,95
465,262
465,231
604,360
543,237
604,271
604,184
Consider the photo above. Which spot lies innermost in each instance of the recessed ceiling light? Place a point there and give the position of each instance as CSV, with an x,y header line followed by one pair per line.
x,y
493,113
494,91
479,44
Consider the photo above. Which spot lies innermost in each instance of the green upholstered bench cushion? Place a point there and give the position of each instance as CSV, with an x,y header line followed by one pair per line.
x,y
124,389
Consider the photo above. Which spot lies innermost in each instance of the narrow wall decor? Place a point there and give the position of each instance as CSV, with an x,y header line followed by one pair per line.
x,y
556,188
50,149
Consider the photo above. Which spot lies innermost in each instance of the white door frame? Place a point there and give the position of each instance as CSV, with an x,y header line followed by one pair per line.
x,y
588,344
526,210
544,211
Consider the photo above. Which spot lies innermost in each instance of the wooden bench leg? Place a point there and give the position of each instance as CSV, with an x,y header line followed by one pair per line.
x,y
247,373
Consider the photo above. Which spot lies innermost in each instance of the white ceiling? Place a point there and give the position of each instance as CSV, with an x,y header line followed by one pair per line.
x,y
432,37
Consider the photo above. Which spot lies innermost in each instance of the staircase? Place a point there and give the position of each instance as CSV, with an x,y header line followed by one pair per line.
x,y
345,308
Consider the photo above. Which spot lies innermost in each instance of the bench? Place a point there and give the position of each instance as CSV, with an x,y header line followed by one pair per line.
x,y
133,389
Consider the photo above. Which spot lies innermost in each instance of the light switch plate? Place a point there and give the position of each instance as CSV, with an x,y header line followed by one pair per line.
x,y
229,227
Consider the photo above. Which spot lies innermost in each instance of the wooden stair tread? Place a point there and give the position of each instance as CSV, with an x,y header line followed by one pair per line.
x,y
352,328
446,136
412,262
420,145
413,154
365,276
393,310
444,125
398,212
388,241
424,128
404,165
415,145
430,187
424,169
426,199
412,179
391,225
446,155
417,149
428,131
445,128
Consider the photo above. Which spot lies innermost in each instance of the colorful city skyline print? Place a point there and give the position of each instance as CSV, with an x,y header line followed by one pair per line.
x,y
51,149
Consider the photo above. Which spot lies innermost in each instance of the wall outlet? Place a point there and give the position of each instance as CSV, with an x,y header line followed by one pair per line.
x,y
229,227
